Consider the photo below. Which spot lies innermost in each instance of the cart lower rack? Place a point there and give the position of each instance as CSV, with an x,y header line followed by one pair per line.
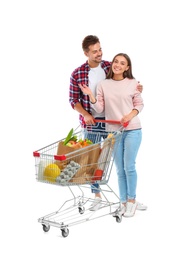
x,y
80,167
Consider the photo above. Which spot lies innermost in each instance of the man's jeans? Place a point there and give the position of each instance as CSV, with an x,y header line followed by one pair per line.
x,y
95,138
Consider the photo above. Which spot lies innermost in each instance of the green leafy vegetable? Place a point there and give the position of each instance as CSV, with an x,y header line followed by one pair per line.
x,y
69,136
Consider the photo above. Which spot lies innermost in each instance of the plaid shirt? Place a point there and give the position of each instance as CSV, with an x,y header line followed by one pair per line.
x,y
80,76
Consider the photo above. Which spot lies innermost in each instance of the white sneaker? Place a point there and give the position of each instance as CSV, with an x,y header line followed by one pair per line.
x,y
141,206
130,209
123,210
96,204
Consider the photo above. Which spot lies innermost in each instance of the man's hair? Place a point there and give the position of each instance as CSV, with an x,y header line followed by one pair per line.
x,y
89,40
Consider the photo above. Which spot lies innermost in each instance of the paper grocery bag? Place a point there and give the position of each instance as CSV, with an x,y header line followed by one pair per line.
x,y
86,157
73,153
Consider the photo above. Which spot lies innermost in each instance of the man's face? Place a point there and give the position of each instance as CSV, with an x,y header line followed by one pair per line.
x,y
94,55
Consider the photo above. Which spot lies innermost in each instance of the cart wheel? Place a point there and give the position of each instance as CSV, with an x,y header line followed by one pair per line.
x,y
81,210
65,233
46,228
118,219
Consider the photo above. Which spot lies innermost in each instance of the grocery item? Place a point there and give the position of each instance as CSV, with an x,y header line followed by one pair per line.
x,y
72,141
68,172
51,171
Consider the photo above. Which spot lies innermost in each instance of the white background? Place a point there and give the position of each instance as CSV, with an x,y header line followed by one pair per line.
x,y
39,48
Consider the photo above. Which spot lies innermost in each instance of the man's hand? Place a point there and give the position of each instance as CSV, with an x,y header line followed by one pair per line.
x,y
89,119
140,87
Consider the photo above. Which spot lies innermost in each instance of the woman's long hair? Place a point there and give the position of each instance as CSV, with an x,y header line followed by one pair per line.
x,y
127,74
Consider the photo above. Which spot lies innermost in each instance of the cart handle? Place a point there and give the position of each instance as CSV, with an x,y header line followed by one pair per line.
x,y
111,122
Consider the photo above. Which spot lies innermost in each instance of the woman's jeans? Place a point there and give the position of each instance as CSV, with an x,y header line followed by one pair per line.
x,y
125,163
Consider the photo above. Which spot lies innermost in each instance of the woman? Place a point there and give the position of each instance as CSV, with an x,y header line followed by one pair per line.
x,y
118,96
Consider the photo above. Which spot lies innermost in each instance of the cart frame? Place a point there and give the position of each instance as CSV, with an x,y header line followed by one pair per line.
x,y
78,209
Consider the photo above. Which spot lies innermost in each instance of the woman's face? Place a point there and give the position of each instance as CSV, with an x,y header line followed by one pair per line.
x,y
119,65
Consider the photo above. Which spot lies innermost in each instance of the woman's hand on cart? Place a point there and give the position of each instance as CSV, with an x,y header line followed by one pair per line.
x,y
127,118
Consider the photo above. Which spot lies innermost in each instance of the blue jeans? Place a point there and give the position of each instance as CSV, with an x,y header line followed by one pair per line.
x,y
125,163
95,138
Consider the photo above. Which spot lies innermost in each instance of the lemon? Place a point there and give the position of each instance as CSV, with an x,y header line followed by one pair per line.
x,y
51,172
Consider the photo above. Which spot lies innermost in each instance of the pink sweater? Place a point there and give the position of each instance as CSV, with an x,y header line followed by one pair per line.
x,y
118,98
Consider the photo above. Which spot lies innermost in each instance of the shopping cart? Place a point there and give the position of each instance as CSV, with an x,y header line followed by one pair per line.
x,y
79,168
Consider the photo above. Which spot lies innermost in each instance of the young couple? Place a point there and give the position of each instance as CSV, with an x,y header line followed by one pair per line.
x,y
101,89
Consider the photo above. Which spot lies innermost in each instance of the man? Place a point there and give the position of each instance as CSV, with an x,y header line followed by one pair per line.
x,y
90,74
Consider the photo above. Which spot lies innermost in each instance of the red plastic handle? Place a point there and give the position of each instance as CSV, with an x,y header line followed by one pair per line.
x,y
111,122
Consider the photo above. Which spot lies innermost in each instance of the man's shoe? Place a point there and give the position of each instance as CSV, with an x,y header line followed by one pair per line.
x,y
141,206
130,209
96,204
123,210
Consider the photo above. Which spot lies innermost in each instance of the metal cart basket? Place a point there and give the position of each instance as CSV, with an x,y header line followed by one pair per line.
x,y
79,168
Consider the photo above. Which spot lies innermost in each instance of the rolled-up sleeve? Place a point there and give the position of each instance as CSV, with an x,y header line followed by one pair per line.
x,y
74,92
